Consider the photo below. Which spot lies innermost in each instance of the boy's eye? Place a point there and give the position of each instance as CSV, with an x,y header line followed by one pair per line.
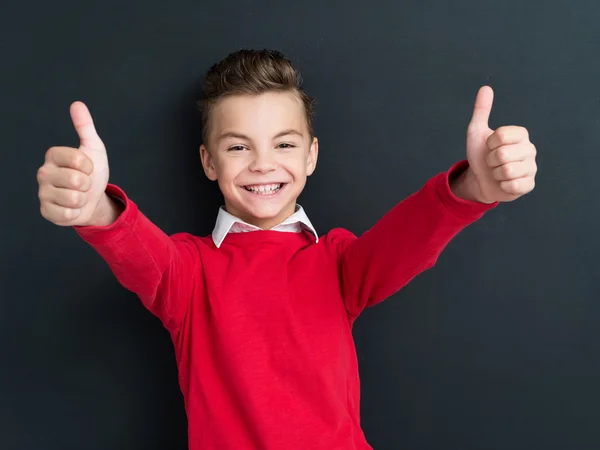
x,y
237,148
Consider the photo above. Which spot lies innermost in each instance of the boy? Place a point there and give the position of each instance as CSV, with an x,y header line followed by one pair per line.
x,y
261,312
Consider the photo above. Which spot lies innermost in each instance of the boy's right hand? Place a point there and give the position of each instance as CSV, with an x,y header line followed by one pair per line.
x,y
72,181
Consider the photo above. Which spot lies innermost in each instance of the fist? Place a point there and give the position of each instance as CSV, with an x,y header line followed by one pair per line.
x,y
502,161
72,181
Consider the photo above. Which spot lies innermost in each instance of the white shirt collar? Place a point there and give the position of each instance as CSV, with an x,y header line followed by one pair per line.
x,y
228,223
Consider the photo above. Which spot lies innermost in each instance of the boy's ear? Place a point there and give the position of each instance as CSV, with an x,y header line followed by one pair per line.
x,y
313,154
207,163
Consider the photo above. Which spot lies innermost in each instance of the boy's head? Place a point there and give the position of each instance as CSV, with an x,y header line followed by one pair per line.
x,y
258,139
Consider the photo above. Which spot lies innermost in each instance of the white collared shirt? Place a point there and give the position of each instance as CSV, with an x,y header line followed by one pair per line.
x,y
228,223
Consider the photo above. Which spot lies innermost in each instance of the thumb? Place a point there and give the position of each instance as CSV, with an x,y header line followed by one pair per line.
x,y
84,125
482,109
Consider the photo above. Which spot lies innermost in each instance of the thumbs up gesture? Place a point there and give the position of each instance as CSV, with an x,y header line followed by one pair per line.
x,y
72,181
502,164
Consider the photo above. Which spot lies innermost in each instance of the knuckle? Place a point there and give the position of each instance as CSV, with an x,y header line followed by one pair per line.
x,y
502,155
73,198
68,213
501,134
41,174
75,180
76,199
47,214
77,160
509,186
50,153
42,194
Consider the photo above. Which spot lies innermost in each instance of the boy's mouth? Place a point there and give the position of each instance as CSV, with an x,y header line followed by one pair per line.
x,y
264,189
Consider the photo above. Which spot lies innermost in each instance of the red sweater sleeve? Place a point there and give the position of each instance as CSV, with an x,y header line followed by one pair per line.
x,y
403,243
160,269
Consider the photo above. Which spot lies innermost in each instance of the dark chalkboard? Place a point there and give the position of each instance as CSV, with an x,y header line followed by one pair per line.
x,y
496,347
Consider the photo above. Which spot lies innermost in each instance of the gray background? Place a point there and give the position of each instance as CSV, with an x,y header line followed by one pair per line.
x,y
497,347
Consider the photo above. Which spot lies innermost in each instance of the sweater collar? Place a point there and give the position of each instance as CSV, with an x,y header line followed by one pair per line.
x,y
228,223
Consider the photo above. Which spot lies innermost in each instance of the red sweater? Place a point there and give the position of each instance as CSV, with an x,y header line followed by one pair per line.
x,y
262,326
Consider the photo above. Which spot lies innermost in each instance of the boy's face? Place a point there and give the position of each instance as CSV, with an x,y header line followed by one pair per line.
x,y
260,154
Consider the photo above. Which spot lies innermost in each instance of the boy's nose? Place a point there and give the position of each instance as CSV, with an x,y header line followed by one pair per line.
x,y
263,162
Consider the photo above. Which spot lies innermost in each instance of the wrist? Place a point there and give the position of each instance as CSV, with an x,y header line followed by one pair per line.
x,y
107,211
464,186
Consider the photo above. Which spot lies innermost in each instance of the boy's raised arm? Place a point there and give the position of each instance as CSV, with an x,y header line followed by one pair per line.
x,y
406,241
500,167
74,191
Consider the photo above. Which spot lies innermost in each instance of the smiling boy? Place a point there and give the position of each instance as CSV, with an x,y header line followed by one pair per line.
x,y
261,311
261,151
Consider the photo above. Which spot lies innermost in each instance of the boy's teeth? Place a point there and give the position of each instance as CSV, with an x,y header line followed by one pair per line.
x,y
264,188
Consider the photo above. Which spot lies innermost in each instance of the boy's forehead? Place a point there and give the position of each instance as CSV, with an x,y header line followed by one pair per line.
x,y
259,114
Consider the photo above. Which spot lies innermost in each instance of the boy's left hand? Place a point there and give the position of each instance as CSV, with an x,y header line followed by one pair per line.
x,y
502,163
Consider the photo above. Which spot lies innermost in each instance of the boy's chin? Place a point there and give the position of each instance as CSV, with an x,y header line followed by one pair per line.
x,y
263,216
269,213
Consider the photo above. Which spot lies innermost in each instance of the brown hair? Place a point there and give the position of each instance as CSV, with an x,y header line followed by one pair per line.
x,y
252,72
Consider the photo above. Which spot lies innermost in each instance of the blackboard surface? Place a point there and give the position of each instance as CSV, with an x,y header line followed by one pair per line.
x,y
496,347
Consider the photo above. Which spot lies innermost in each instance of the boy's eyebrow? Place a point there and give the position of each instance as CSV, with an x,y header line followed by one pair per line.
x,y
233,134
